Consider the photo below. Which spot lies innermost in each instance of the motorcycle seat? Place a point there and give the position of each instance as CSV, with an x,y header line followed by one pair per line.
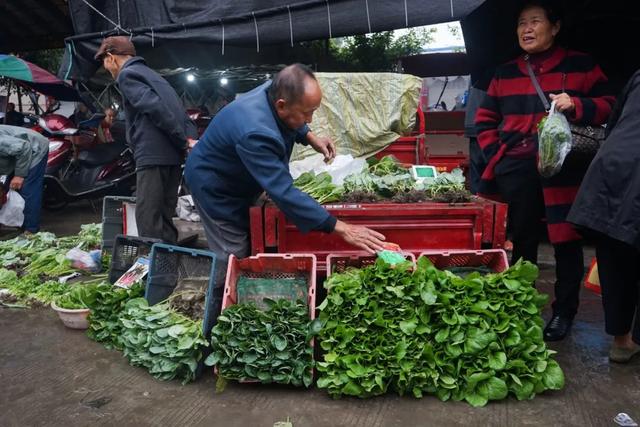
x,y
101,154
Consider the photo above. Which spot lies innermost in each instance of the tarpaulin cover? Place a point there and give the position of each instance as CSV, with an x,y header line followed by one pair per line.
x,y
184,28
364,112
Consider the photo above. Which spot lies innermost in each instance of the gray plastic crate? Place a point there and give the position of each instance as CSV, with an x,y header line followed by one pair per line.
x,y
112,221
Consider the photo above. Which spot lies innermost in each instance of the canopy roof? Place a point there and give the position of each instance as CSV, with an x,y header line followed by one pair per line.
x,y
183,33
33,24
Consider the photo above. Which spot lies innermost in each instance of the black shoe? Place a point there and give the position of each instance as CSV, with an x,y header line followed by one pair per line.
x,y
557,328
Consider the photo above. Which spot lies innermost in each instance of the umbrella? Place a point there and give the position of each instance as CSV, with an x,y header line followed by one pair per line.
x,y
34,77
604,29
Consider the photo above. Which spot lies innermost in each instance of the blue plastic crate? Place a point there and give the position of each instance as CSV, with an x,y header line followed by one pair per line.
x,y
170,264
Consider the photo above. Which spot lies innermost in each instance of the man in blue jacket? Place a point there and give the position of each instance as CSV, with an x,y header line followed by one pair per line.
x,y
246,150
158,132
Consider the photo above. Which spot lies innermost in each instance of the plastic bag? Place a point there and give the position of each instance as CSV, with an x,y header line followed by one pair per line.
x,y
340,168
554,142
87,261
186,209
12,212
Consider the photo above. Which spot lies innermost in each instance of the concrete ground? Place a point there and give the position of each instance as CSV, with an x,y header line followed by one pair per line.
x,y
53,376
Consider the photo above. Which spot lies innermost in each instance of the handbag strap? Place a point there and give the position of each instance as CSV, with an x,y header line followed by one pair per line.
x,y
534,80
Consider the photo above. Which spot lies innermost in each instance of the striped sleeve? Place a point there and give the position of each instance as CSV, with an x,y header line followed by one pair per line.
x,y
488,118
595,107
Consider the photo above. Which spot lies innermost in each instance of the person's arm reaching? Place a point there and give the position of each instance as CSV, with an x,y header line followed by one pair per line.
x,y
263,157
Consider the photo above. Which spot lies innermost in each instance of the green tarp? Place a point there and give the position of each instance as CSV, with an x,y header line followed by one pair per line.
x,y
364,112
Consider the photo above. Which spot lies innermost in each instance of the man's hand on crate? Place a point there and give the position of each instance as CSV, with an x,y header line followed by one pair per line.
x,y
362,237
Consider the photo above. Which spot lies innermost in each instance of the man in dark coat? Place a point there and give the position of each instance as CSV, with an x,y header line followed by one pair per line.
x,y
608,204
158,131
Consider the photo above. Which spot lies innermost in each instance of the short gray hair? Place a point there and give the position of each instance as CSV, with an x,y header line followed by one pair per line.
x,y
288,84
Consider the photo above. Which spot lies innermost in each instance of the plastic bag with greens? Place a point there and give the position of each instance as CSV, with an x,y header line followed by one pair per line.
x,y
554,142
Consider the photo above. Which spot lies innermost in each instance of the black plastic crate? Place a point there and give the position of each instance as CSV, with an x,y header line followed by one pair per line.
x,y
170,264
112,221
126,250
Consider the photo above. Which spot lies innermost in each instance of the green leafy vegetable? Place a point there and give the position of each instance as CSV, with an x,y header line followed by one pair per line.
x,y
168,344
425,331
268,346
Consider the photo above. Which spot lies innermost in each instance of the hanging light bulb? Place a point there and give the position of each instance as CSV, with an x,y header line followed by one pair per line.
x,y
191,78
224,81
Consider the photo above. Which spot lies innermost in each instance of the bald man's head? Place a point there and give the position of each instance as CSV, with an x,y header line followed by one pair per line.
x,y
295,95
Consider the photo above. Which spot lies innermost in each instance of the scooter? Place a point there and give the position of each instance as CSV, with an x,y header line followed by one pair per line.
x,y
90,171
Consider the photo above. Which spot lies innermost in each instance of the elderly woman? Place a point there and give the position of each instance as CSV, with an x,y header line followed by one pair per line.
x,y
609,203
507,133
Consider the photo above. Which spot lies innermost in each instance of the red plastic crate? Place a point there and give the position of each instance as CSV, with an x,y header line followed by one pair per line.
x,y
339,263
447,163
274,266
270,266
495,259
407,149
256,227
415,227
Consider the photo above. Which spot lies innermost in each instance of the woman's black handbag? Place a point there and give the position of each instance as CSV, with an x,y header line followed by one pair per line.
x,y
585,140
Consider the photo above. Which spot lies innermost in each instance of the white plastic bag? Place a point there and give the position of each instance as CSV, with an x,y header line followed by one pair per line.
x,y
341,167
12,212
186,209
87,261
554,142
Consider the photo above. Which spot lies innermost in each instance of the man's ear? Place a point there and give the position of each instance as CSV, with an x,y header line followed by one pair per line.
x,y
280,104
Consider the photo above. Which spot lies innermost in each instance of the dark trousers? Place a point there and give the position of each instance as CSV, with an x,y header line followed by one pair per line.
x,y
31,192
519,184
477,164
619,271
224,239
156,201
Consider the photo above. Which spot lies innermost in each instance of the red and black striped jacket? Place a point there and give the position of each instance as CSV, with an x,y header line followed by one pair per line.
x,y
508,118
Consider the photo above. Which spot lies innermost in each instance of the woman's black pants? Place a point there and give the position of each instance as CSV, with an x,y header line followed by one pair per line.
x,y
619,271
519,184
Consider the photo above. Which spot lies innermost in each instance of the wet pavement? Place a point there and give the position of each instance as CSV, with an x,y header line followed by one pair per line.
x,y
54,376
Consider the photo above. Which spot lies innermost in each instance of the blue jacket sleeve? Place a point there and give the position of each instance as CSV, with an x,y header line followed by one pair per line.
x,y
301,135
264,156
139,93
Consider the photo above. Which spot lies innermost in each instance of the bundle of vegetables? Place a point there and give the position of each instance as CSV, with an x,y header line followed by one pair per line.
x,y
448,187
554,143
104,325
268,346
155,337
43,253
388,165
79,296
29,289
427,331
320,187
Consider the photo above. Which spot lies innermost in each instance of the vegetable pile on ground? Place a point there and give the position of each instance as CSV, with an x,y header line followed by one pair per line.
x,y
273,345
104,323
427,331
31,265
155,337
